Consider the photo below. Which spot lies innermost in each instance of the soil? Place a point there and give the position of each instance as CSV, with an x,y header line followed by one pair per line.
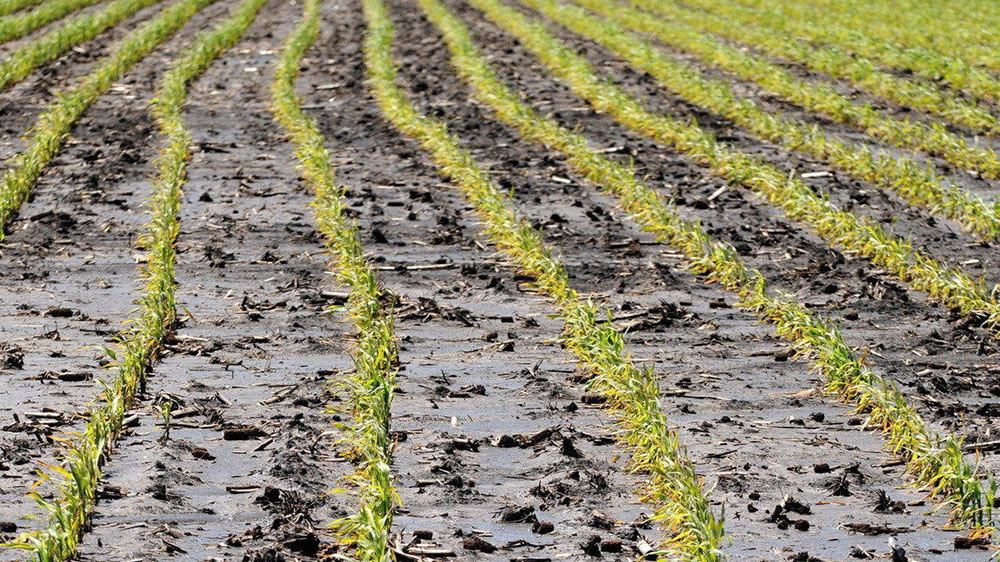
x,y
501,453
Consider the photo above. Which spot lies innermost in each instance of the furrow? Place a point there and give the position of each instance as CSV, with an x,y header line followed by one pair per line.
x,y
70,512
11,6
19,25
53,126
733,23
958,75
821,98
935,463
950,32
24,60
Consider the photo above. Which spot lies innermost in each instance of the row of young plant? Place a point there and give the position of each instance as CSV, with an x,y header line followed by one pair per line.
x,y
934,462
815,96
957,74
53,126
21,24
370,386
923,25
25,59
673,487
11,6
69,512
949,285
919,185
727,22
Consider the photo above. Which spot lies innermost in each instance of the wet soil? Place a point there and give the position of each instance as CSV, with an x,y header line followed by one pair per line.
x,y
500,456
21,103
944,362
501,453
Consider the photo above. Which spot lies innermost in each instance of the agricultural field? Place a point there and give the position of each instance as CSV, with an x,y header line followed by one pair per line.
x,y
499,280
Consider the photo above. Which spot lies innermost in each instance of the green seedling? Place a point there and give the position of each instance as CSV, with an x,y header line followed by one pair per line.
x,y
25,59
735,23
949,285
165,408
19,25
915,182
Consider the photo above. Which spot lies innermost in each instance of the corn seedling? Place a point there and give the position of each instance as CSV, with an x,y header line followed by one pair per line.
x,y
370,387
817,97
24,60
140,345
19,25
915,183
673,487
165,409
932,461
923,25
731,23
854,234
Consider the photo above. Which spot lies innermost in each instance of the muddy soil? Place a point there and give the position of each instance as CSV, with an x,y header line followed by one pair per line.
x,y
21,103
944,362
500,456
501,452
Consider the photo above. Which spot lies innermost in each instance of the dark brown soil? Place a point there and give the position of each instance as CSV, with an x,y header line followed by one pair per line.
x,y
501,453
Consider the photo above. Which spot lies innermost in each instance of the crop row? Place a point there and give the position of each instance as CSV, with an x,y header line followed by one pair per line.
x,y
19,25
833,61
732,22
375,354
959,75
55,123
81,465
857,235
25,59
915,183
934,462
673,487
